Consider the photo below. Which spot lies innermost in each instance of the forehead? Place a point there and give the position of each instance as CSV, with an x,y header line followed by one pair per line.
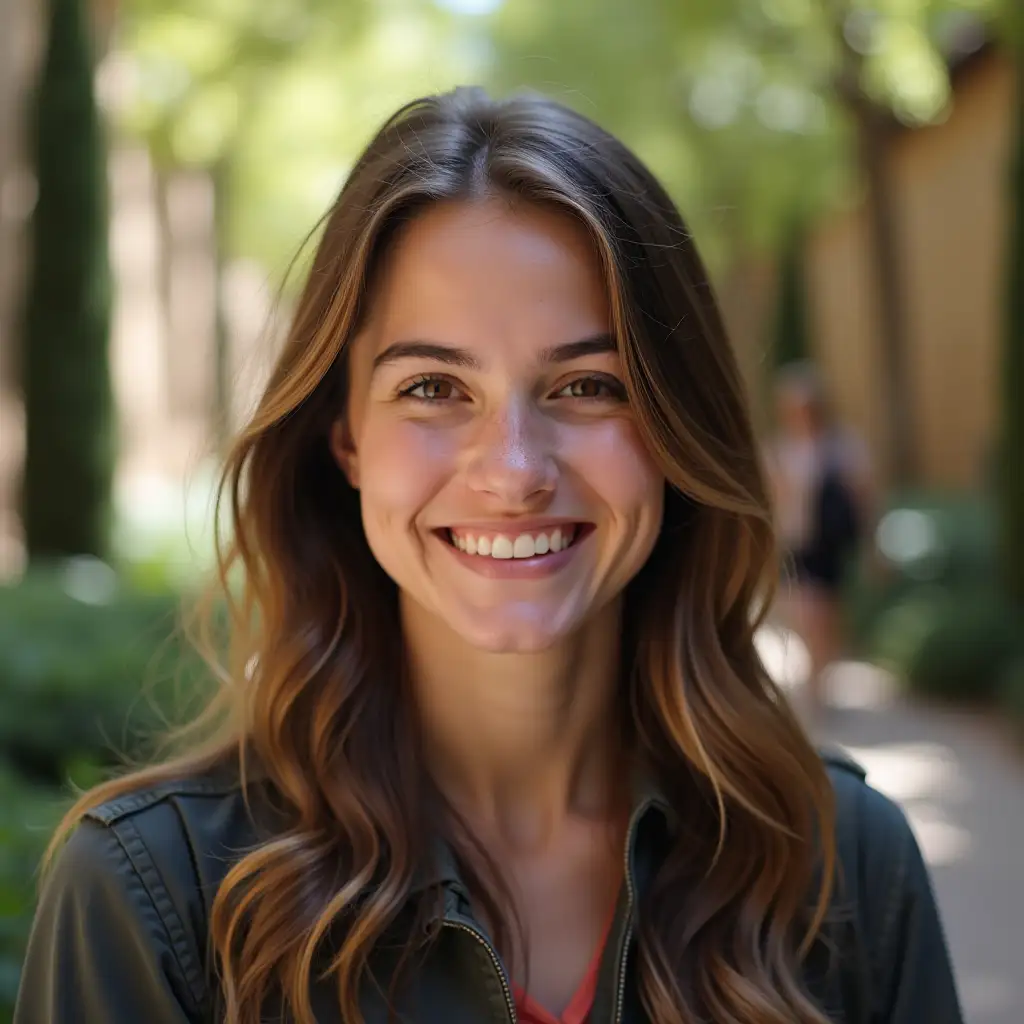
x,y
490,271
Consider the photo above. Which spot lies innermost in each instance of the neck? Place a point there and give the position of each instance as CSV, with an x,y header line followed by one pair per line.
x,y
520,742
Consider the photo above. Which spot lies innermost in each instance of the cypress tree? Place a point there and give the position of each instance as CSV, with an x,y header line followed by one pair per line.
x,y
69,458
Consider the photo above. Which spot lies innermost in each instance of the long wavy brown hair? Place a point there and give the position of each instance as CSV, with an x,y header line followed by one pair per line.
x,y
312,689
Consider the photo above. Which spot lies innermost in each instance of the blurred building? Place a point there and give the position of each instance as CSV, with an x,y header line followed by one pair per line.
x,y
951,185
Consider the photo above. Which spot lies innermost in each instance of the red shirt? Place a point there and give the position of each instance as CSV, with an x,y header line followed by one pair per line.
x,y
578,1010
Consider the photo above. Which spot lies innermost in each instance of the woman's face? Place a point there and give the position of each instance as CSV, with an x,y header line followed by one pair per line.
x,y
503,481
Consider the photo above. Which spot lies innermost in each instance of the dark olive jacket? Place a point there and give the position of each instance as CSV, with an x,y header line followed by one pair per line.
x,y
121,928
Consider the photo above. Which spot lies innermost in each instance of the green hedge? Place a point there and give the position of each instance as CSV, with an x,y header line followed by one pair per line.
x,y
91,669
948,643
88,670
929,607
28,815
925,540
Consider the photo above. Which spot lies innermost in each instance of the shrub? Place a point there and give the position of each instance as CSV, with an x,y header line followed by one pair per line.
x,y
948,643
28,815
924,541
88,669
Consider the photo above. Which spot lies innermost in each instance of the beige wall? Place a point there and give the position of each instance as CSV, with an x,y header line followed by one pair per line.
x,y
951,193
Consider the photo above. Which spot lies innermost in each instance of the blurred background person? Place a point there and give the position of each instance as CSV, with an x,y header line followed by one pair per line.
x,y
821,479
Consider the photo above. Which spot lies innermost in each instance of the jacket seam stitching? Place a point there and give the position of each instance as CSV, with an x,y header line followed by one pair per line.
x,y
138,855
893,901
122,807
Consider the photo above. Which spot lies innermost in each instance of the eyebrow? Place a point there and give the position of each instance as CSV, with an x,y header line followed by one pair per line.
x,y
597,344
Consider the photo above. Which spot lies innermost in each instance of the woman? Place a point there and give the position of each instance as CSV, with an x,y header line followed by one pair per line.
x,y
823,500
496,744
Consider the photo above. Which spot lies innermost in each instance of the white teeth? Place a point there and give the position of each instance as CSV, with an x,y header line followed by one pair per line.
x,y
501,547
525,545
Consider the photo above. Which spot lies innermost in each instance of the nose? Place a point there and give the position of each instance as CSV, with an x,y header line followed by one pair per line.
x,y
511,458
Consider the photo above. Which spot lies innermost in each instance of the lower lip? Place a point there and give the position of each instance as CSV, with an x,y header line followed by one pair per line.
x,y
517,568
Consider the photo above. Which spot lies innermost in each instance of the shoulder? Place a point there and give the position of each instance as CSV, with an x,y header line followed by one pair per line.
x,y
143,868
179,836
132,887
884,885
874,837
865,816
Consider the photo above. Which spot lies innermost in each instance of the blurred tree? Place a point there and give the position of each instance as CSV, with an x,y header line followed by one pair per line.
x,y
271,102
754,111
1011,475
202,70
64,364
791,342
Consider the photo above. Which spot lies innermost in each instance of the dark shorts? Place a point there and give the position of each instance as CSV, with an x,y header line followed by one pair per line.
x,y
825,570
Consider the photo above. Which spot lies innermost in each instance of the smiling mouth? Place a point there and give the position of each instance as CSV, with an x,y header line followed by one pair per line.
x,y
506,546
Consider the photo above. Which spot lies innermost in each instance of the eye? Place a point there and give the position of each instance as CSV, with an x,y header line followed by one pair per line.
x,y
430,389
594,387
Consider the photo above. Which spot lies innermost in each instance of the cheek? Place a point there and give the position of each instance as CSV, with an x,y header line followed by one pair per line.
x,y
401,466
612,460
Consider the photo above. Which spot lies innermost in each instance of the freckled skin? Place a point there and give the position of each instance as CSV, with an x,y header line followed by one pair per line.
x,y
512,437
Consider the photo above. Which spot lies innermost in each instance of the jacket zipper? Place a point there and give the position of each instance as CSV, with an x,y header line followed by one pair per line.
x,y
620,992
510,1006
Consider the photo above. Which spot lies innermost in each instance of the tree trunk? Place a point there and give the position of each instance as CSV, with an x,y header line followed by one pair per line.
x,y
1011,476
69,408
791,342
887,265
871,127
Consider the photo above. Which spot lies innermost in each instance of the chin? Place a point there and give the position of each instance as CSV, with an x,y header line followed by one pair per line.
x,y
531,636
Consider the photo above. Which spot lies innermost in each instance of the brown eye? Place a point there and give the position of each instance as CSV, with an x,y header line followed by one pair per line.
x,y
587,388
593,388
430,389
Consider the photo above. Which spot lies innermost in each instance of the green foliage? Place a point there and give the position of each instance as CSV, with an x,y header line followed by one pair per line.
x,y
737,104
947,643
732,102
28,815
928,546
89,671
65,373
285,92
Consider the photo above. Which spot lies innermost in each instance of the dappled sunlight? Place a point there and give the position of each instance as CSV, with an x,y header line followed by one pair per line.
x,y
913,771
784,655
859,684
925,778
985,996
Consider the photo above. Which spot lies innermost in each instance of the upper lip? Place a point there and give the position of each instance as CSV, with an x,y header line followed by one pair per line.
x,y
516,526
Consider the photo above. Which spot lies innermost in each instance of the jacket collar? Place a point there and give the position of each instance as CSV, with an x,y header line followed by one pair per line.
x,y
648,800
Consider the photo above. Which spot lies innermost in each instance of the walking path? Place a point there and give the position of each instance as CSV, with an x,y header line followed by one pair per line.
x,y
961,782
